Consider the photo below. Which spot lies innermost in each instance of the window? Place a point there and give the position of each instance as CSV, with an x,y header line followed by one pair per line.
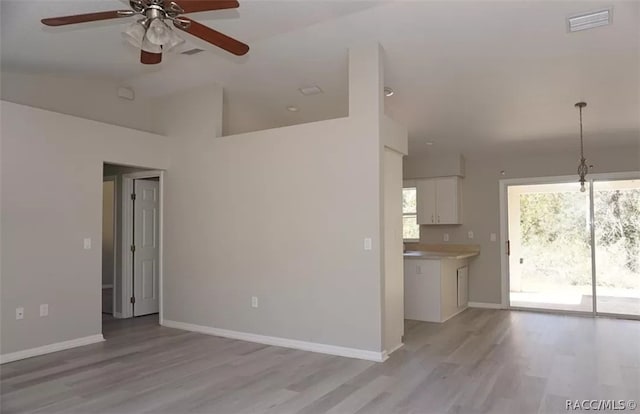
x,y
410,228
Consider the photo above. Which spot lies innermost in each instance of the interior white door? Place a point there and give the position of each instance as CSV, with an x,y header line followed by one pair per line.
x,y
447,200
426,201
146,241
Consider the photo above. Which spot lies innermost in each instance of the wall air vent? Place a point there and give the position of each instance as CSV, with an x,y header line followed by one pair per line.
x,y
193,51
589,20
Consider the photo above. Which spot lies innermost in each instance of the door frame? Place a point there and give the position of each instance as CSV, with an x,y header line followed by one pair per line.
x,y
116,200
504,233
127,239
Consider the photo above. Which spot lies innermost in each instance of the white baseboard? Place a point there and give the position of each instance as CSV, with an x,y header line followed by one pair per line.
x,y
283,342
117,315
47,349
458,312
485,305
385,354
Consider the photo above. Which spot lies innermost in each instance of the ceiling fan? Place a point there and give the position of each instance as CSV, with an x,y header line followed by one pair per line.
x,y
153,35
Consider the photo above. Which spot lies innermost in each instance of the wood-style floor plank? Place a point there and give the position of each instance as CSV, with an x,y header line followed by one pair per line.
x,y
481,361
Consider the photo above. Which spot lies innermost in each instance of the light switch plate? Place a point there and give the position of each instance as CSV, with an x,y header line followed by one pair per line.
x,y
367,243
254,301
493,237
87,244
19,313
44,309
470,234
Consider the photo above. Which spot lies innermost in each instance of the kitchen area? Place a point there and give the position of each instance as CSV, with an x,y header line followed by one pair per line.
x,y
436,275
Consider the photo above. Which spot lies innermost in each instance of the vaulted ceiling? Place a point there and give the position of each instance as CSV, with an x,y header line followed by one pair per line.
x,y
469,76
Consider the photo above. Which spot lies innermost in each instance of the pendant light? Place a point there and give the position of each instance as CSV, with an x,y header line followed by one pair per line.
x,y
583,168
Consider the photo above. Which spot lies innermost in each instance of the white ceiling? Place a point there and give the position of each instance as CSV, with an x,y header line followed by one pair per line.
x,y
471,76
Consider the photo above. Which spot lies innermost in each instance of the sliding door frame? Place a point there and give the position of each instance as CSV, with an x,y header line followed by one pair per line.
x,y
504,185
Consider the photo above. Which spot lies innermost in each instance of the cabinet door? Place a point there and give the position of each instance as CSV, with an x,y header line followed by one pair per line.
x,y
447,203
426,201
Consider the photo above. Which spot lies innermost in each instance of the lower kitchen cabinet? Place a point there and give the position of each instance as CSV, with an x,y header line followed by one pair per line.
x,y
435,289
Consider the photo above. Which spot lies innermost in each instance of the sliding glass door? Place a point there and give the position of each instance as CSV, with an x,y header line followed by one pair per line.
x,y
558,261
616,207
550,247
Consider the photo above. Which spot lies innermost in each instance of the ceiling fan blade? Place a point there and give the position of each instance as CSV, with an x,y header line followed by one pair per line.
x,y
214,37
89,17
192,6
149,58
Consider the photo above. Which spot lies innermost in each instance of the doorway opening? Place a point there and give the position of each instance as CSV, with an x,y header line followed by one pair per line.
x,y
132,250
573,251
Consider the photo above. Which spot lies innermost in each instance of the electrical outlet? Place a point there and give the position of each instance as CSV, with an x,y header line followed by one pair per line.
x,y
254,301
470,234
446,237
493,237
87,244
367,243
44,309
19,313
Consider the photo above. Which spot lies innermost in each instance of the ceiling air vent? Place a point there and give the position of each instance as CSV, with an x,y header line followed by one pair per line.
x,y
589,20
193,51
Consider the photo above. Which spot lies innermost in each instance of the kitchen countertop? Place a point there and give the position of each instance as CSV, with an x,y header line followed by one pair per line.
x,y
432,255
440,251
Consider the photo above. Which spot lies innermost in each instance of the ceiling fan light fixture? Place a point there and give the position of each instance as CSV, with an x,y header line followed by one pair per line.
x,y
158,32
147,46
134,33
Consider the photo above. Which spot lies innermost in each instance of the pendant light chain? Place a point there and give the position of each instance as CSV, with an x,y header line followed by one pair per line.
x,y
583,169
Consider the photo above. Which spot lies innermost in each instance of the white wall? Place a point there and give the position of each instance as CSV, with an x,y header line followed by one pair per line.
x,y
481,204
280,214
393,323
94,99
51,180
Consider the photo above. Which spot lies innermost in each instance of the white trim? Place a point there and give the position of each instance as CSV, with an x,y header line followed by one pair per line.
x,y
485,305
455,314
283,342
114,179
117,315
127,211
385,354
47,349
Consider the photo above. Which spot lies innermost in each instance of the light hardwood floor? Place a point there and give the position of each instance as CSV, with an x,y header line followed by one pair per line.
x,y
482,361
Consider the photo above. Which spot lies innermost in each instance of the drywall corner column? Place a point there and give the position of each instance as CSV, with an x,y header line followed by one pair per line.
x,y
394,140
366,109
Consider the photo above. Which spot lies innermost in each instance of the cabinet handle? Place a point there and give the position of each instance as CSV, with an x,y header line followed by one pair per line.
x,y
438,218
432,218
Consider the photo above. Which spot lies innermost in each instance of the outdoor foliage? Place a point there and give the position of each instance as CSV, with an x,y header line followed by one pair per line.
x,y
410,228
556,237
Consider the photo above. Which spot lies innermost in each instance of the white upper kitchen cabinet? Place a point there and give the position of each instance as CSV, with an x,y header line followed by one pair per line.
x,y
426,201
439,201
